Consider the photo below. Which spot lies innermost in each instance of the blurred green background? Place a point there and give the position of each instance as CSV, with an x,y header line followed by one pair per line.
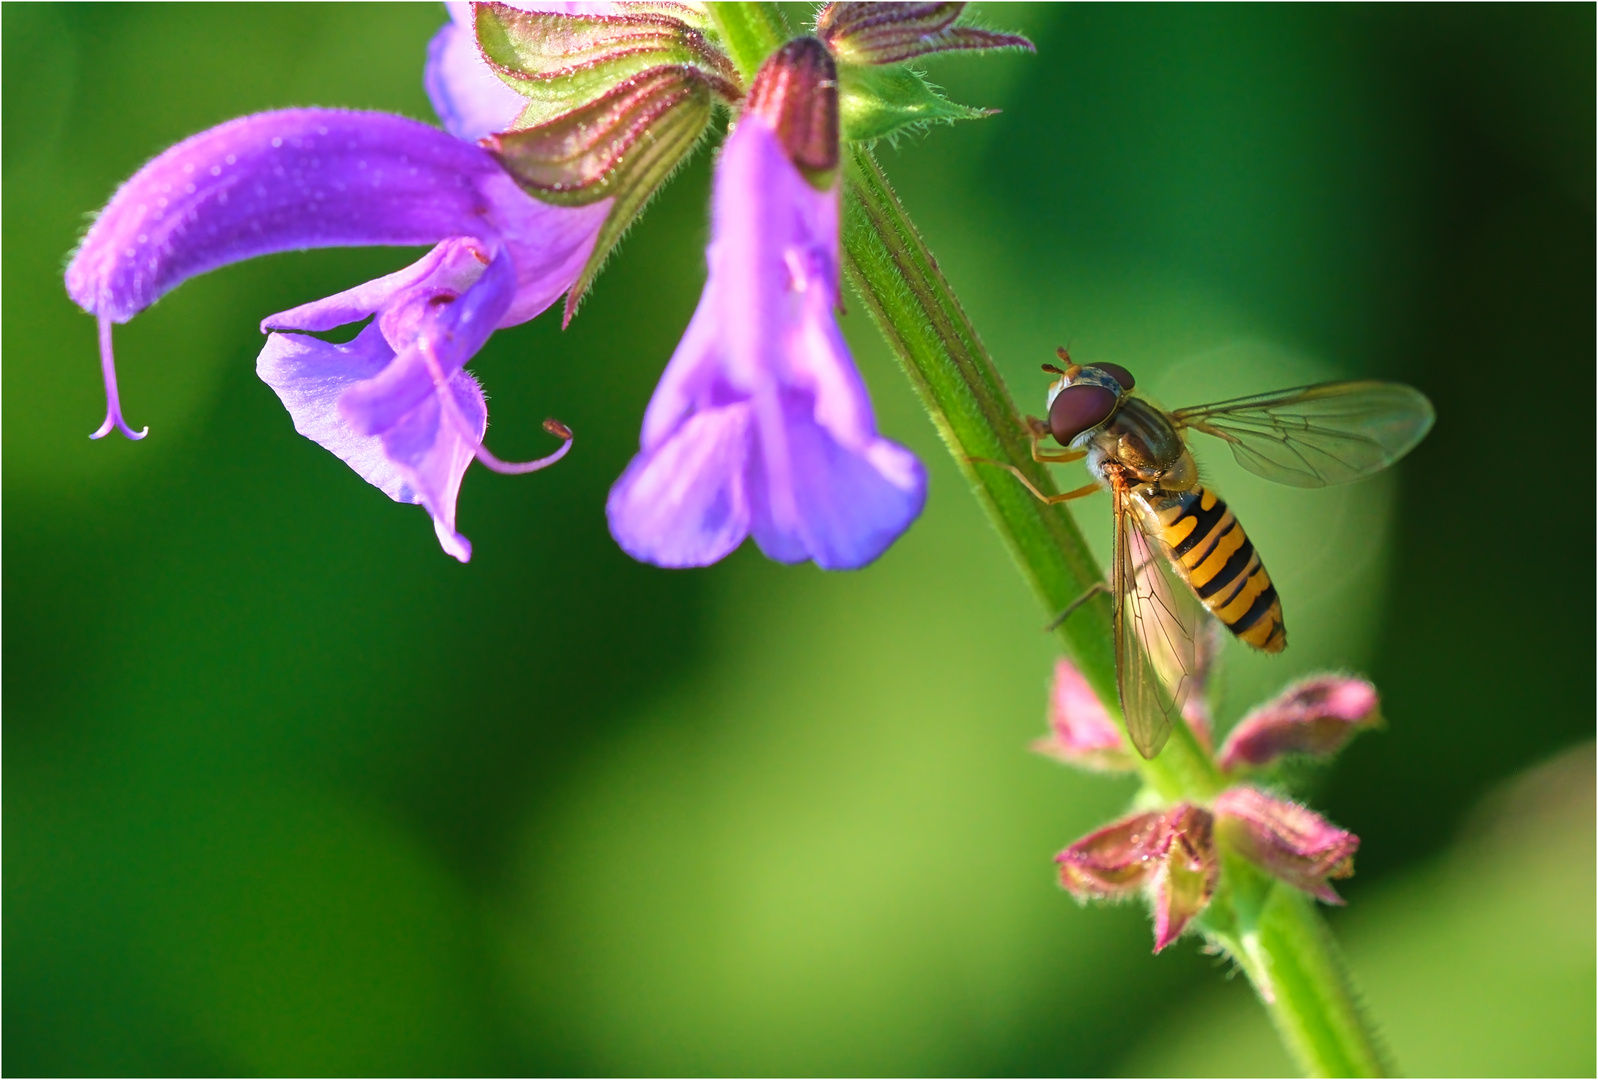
x,y
287,790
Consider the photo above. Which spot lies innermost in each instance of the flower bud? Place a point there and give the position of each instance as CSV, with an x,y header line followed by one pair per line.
x,y
874,33
1081,732
1115,861
1316,716
796,93
1290,841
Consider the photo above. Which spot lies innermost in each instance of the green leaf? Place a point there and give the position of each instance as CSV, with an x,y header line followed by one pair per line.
x,y
881,102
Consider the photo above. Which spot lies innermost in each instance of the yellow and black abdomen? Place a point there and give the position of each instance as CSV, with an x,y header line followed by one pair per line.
x,y
1221,565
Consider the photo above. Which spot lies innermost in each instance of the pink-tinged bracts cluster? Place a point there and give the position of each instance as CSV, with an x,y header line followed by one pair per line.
x,y
1290,841
1169,856
1173,856
1315,717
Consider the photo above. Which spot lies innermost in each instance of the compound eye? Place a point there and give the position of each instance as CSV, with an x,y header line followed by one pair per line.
x,y
1118,373
1078,408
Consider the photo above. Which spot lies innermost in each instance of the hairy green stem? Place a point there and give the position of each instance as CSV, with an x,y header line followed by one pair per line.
x,y
1272,931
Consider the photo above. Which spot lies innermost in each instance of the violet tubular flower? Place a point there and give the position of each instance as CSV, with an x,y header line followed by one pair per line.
x,y
394,403
761,425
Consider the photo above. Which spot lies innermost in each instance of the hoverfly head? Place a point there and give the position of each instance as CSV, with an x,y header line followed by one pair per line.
x,y
1084,397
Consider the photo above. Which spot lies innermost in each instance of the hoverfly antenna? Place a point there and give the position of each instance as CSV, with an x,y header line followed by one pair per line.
x,y
1063,352
1052,370
1071,366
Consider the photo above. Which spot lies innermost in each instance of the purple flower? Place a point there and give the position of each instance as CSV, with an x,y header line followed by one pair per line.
x,y
394,403
761,424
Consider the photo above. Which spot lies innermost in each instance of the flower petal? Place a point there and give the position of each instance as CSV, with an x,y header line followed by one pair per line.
x,y
683,503
452,265
814,498
433,449
436,334
309,375
467,96
278,181
418,460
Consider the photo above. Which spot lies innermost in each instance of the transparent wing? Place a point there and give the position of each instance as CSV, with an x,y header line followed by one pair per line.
x,y
1157,619
1312,436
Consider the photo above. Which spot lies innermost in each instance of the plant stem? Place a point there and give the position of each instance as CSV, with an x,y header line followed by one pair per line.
x,y
1280,941
750,31
911,303
1272,931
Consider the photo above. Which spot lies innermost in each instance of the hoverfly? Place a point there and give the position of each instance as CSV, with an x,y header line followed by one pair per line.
x,y
1179,551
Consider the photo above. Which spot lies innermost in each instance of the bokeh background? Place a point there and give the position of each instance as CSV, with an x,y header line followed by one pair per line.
x,y
287,790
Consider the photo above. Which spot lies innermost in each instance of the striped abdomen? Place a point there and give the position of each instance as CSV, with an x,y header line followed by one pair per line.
x,y
1221,564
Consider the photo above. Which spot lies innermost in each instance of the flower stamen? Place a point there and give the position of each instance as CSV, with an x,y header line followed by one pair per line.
x,y
479,451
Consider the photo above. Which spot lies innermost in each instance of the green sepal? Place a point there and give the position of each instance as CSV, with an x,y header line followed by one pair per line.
x,y
593,151
883,102
640,175
565,62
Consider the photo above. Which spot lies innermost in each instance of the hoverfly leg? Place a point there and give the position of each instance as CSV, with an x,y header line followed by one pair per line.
x,y
1049,457
1093,590
1077,493
1039,430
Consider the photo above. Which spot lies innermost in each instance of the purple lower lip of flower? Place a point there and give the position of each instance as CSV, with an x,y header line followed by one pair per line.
x,y
305,178
761,425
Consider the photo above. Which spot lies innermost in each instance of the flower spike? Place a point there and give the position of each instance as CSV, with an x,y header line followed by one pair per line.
x,y
1316,716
